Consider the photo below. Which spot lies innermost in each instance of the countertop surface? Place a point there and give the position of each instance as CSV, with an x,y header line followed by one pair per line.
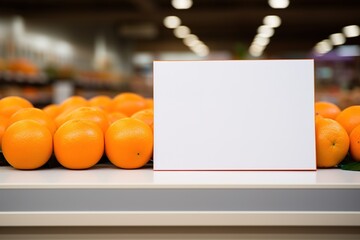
x,y
108,176
108,196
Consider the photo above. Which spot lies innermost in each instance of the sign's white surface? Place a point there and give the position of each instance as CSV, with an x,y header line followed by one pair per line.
x,y
234,115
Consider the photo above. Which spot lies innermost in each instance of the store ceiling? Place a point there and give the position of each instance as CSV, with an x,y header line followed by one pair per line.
x,y
221,24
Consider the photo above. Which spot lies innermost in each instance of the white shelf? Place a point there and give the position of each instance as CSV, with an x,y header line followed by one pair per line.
x,y
107,176
108,196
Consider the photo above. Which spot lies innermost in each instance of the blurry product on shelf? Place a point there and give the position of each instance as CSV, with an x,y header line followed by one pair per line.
x,y
22,65
59,72
2,65
21,70
99,79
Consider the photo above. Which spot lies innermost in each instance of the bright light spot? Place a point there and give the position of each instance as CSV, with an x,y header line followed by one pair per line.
x,y
323,47
272,21
262,41
18,27
181,31
181,4
41,43
256,50
63,49
172,22
337,39
200,49
191,40
351,31
279,3
265,31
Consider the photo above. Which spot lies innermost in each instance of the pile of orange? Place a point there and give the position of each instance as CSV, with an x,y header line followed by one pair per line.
x,y
337,133
78,132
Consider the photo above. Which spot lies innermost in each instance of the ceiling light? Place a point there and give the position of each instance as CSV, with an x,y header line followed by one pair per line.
x,y
279,3
198,46
191,40
323,46
254,53
262,41
351,31
181,31
181,4
256,50
272,21
265,31
337,39
172,22
201,49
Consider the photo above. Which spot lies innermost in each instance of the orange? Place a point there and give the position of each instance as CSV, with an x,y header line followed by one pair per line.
x,y
114,116
72,103
27,144
149,102
129,143
147,116
128,103
9,105
100,101
349,118
332,143
68,106
78,144
355,143
93,114
52,110
327,109
3,125
35,114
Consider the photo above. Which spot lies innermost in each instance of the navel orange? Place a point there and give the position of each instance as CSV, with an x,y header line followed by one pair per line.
x,y
27,144
114,116
332,143
35,114
355,143
93,114
349,118
52,110
9,105
100,101
129,143
149,102
78,144
128,103
3,126
327,109
147,116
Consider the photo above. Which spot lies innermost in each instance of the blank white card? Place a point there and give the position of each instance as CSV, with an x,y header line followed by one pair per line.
x,y
234,115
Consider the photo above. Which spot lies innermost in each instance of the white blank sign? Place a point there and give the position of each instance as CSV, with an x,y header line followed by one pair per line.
x,y
234,115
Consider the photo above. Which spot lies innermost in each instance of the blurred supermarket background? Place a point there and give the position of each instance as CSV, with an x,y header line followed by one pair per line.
x,y
51,49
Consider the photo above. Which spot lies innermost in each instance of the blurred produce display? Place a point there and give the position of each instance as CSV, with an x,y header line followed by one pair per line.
x,y
35,65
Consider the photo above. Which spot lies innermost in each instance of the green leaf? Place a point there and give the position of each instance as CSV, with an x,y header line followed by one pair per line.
x,y
349,164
